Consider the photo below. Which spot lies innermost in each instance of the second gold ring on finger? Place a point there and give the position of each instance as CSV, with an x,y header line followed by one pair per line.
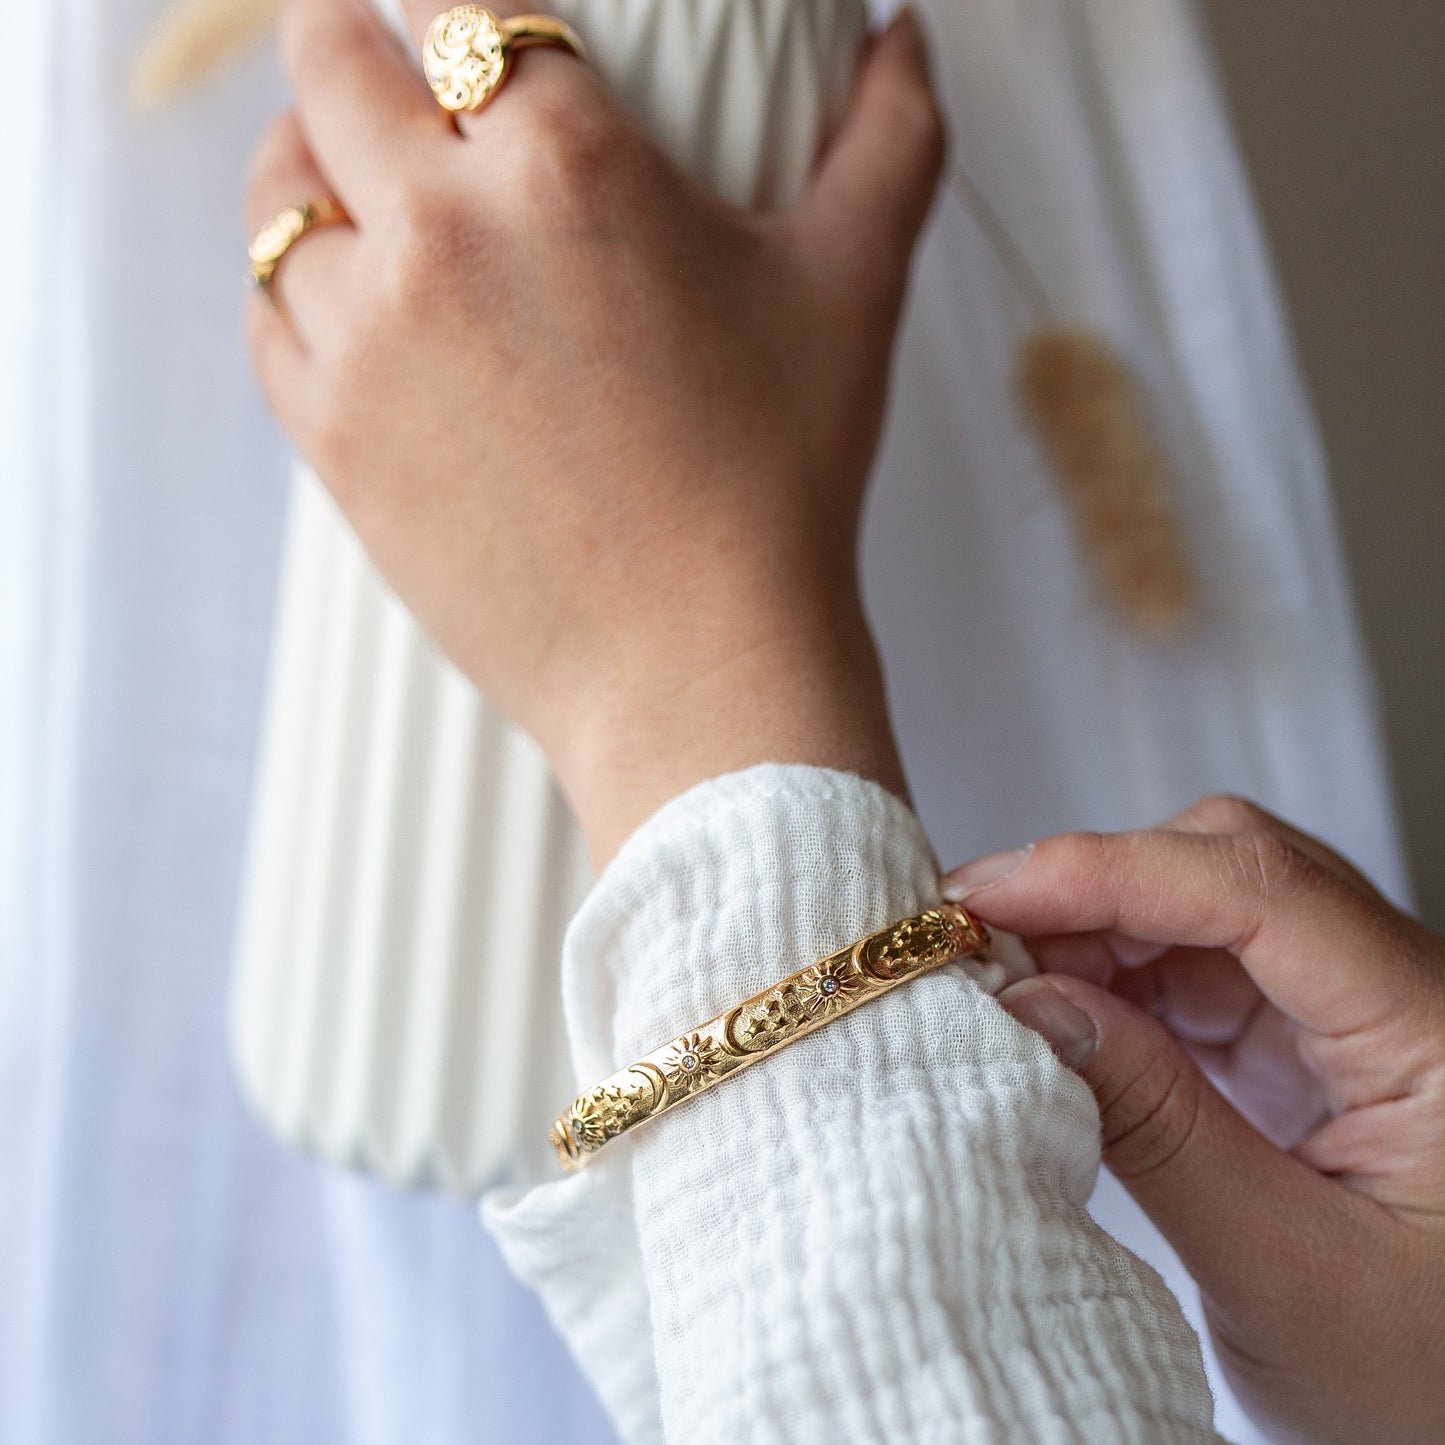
x,y
273,240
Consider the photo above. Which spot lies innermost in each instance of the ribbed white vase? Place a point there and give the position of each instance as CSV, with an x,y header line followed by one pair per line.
x,y
411,865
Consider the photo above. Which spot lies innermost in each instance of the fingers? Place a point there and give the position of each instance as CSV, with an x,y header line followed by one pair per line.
x,y
1260,1071
309,279
876,183
363,104
1217,1190
1226,813
1207,1001
1095,956
1202,995
1331,958
281,365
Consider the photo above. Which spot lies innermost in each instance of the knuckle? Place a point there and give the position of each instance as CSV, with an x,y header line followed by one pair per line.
x,y
1081,846
1084,874
574,157
434,235
1150,1115
323,39
1103,854
930,131
335,426
1080,859
1229,813
1268,871
259,327
1273,864
276,144
916,120
330,446
279,151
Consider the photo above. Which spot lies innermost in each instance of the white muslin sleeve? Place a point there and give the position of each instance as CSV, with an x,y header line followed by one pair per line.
x,y
879,1233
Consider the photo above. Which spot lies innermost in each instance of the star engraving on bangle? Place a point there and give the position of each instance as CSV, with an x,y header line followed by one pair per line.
x,y
911,945
771,1017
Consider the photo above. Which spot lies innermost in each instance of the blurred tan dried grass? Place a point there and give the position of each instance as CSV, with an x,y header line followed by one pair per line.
x,y
191,41
1087,409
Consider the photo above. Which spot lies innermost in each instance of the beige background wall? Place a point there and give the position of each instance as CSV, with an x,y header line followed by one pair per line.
x,y
1340,109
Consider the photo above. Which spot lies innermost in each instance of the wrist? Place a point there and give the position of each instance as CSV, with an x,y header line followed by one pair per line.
x,y
807,692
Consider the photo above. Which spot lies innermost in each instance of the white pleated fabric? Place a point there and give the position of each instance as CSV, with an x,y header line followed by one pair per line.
x,y
167,1275
880,1233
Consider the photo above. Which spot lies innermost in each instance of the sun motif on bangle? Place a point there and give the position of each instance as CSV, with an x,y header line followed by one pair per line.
x,y
829,987
692,1062
595,1117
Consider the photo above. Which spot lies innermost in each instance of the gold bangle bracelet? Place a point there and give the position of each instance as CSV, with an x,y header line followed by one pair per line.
x,y
790,1010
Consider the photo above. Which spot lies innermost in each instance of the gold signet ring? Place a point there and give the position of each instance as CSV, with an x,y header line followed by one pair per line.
x,y
468,51
282,231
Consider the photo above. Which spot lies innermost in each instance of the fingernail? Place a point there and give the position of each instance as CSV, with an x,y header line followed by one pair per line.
x,y
984,873
1067,1030
1134,952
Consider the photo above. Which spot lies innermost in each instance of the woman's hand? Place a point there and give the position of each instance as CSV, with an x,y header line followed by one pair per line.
x,y
606,436
1257,951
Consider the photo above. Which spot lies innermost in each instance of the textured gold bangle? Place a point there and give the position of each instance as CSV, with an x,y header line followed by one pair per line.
x,y
696,1060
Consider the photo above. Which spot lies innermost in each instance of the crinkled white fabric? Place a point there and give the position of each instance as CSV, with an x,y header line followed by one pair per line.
x,y
878,1234
234,1294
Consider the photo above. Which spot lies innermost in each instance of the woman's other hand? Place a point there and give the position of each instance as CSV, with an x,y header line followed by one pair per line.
x,y
606,436
1229,940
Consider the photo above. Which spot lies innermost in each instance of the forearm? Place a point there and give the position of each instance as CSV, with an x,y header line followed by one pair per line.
x,y
880,1232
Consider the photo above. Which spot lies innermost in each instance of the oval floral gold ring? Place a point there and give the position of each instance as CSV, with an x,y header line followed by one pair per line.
x,y
468,51
282,231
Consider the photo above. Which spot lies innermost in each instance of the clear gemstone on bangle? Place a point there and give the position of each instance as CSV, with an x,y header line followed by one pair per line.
x,y
692,1062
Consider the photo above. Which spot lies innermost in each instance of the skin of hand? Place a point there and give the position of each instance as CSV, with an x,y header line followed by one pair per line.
x,y
606,436
1228,944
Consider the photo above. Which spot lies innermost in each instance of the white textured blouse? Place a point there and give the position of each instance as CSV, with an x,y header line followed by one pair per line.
x,y
877,1234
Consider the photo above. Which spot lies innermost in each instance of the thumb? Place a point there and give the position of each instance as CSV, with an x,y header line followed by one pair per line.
x,y
1244,1217
876,182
